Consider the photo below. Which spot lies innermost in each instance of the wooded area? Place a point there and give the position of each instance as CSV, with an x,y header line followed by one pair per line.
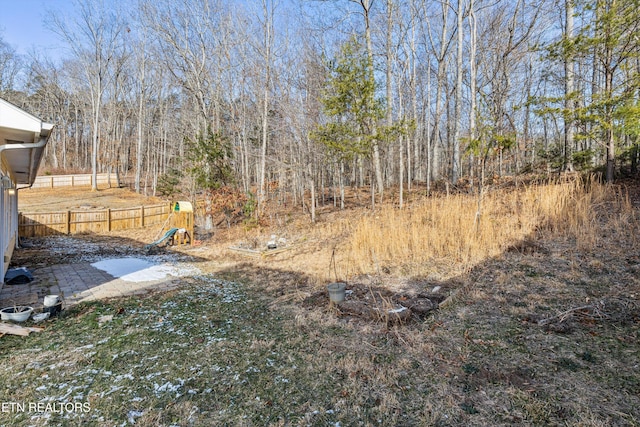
x,y
306,96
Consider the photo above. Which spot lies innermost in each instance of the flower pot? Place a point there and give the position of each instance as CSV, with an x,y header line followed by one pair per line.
x,y
53,310
16,314
52,305
336,291
51,300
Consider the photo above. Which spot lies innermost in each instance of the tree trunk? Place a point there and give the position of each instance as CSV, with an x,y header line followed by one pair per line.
x,y
473,81
268,37
455,161
441,76
366,8
569,71
94,143
141,104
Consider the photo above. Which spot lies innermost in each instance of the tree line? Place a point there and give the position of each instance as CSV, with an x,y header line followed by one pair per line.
x,y
315,96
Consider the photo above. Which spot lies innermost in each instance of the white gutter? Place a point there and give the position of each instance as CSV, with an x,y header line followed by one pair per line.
x,y
33,165
33,168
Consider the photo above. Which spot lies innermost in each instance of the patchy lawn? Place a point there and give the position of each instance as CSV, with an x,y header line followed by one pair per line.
x,y
231,349
211,354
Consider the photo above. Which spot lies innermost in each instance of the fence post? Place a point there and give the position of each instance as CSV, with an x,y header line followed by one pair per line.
x,y
141,216
109,219
68,222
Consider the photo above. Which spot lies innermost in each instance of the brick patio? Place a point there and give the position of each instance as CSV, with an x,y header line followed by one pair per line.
x,y
76,283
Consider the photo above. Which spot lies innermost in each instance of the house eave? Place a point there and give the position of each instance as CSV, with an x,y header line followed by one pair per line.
x,y
23,138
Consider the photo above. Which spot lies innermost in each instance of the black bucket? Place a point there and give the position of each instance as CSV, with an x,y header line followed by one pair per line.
x,y
53,310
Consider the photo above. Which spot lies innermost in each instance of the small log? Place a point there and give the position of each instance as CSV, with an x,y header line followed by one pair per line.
x,y
250,252
259,253
270,252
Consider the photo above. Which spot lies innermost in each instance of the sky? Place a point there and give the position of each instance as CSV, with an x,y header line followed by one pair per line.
x,y
23,24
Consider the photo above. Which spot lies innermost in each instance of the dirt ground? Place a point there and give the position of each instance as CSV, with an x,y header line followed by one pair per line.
x,y
61,199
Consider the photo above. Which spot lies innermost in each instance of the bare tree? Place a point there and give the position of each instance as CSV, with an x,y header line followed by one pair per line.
x,y
455,161
440,48
191,34
569,70
94,38
473,77
10,64
268,10
141,62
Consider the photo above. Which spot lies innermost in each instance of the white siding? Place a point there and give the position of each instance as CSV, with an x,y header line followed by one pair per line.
x,y
8,227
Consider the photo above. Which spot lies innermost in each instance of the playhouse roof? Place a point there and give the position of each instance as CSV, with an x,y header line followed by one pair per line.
x,y
23,138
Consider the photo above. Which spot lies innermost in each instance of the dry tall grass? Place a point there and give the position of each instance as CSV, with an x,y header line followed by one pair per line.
x,y
453,231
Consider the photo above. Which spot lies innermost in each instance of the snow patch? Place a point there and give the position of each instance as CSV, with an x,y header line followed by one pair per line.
x,y
133,269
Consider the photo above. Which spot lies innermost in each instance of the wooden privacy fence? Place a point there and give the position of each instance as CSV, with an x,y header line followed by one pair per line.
x,y
82,180
90,220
